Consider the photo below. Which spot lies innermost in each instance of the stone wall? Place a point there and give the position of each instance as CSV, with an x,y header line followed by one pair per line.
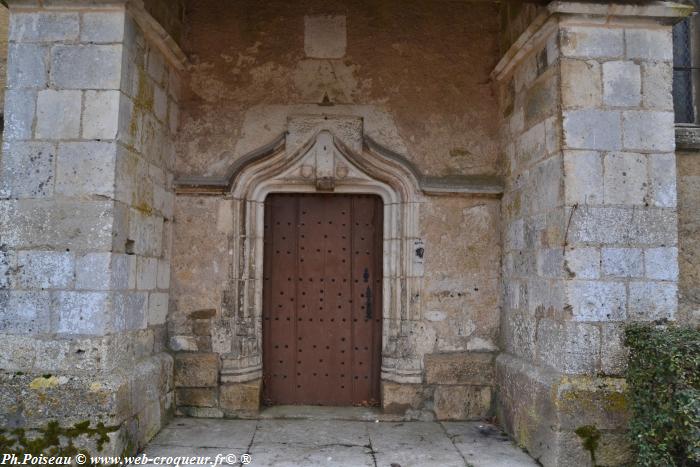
x,y
688,164
590,222
85,213
4,26
380,63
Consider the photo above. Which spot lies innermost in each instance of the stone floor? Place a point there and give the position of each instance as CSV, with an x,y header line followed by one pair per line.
x,y
325,442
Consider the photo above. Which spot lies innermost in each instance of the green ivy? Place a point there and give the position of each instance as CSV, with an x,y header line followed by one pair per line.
x,y
53,440
663,378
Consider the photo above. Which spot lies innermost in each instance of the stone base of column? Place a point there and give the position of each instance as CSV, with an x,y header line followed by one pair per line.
x,y
241,400
552,414
135,402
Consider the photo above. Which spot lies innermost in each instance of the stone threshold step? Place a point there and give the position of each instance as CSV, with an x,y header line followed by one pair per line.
x,y
313,412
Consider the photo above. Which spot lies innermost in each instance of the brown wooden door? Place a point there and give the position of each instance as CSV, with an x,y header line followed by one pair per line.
x,y
322,295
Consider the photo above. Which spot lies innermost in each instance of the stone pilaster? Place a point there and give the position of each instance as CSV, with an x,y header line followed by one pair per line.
x,y
85,208
590,218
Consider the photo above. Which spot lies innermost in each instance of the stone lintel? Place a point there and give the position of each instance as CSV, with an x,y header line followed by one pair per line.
x,y
595,13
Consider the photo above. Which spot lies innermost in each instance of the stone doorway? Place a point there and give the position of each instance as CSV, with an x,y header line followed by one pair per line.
x,y
322,287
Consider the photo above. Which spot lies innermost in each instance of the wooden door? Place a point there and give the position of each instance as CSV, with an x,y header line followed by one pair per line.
x,y
322,295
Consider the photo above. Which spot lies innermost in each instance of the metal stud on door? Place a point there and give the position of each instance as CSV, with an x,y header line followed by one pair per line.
x,y
322,299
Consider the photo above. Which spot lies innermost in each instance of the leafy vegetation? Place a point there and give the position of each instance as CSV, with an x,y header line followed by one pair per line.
x,y
663,378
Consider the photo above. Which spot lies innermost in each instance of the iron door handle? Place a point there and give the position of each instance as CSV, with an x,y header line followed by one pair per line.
x,y
368,304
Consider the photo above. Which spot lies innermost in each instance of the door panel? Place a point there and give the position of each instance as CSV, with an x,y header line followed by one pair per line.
x,y
322,299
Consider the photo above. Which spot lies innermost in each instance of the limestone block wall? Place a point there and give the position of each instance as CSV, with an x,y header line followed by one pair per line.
x,y
4,26
590,222
688,169
85,200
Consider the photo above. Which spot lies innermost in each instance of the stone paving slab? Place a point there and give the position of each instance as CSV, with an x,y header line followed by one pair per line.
x,y
206,432
312,432
340,443
281,455
484,445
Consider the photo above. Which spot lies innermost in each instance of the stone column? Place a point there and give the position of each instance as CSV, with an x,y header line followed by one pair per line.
x,y
85,207
590,219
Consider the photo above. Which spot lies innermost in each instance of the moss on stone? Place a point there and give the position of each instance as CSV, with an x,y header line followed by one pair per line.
x,y
54,440
590,436
44,382
144,208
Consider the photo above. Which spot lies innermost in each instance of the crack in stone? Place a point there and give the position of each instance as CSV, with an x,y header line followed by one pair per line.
x,y
252,440
452,440
372,452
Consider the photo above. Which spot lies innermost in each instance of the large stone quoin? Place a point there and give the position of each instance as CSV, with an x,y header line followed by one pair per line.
x,y
523,155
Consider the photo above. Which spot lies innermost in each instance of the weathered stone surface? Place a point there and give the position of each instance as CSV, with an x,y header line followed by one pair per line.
x,y
593,129
101,115
27,66
610,225
542,98
570,347
397,398
622,84
648,130
102,27
102,271
651,301
20,109
657,78
240,397
584,177
462,402
163,279
325,36
661,263
203,314
197,397
130,310
613,353
599,402
196,370
146,273
86,66
157,308
82,313
44,224
597,301
625,180
649,44
581,84
45,270
24,312
591,42
28,170
459,368
583,263
84,169
622,262
58,114
44,26
662,171
184,344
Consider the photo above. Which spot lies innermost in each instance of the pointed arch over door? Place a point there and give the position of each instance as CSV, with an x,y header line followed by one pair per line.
x,y
322,154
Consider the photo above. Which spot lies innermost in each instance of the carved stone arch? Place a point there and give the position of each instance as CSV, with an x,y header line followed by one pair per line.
x,y
322,154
